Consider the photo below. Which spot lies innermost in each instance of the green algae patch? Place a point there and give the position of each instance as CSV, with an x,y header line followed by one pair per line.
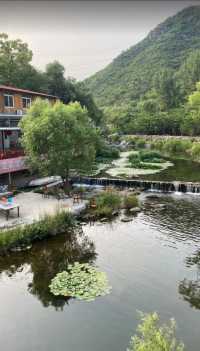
x,y
123,167
81,281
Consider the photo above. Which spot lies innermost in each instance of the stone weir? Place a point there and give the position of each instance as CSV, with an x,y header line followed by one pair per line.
x,y
160,186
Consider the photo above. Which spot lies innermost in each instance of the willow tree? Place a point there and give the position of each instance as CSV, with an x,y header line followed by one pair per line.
x,y
58,139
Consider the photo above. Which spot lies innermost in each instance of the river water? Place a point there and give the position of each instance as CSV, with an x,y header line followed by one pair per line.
x,y
152,262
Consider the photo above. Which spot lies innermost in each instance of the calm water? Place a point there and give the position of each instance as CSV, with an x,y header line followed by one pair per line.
x,y
182,170
153,264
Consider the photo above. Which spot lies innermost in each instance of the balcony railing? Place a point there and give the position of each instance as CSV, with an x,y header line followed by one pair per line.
x,y
11,153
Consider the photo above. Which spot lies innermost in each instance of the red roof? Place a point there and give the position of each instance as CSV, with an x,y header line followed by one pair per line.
x,y
17,90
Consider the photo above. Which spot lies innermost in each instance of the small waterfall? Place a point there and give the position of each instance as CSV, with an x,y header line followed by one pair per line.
x,y
177,186
153,186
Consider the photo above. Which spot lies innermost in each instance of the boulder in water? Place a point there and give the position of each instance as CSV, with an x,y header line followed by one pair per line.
x,y
126,219
135,210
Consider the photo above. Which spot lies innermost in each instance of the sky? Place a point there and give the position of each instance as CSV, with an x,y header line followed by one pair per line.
x,y
84,36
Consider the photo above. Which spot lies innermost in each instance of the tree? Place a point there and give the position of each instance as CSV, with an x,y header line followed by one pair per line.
x,y
15,58
165,86
68,90
58,139
56,82
191,123
153,337
188,74
82,94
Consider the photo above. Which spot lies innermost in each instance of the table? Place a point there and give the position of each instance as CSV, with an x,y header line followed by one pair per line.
x,y
8,207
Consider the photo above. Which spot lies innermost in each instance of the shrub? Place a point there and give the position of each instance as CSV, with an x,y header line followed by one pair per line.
x,y
136,160
130,201
104,211
157,144
140,143
150,156
153,337
177,146
22,236
106,203
109,199
195,151
107,152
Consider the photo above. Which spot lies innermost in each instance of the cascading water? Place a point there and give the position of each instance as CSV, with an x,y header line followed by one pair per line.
x,y
153,186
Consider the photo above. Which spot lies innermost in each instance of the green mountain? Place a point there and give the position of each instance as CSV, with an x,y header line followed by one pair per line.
x,y
132,73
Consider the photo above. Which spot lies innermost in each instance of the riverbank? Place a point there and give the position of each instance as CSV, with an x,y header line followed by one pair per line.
x,y
21,237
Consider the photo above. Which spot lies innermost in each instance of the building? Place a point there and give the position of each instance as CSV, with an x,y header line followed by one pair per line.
x,y
14,103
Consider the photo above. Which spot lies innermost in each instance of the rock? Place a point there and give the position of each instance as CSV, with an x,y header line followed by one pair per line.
x,y
158,205
137,192
83,223
135,210
115,213
153,197
126,219
103,220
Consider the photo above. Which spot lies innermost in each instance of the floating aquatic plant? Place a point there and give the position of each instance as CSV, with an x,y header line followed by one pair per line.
x,y
82,281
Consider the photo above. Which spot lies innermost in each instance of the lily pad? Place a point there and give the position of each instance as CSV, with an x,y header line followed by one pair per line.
x,y
81,281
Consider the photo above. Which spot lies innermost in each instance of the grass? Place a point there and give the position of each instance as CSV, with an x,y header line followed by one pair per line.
x,y
106,203
109,202
130,201
23,236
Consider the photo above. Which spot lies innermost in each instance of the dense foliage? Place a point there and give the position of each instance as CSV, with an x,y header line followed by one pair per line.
x,y
81,281
184,147
16,70
146,160
59,138
22,236
146,88
155,337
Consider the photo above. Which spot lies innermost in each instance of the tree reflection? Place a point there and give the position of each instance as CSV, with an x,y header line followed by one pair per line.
x,y
46,259
190,289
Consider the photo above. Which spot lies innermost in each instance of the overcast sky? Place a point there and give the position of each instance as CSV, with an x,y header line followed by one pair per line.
x,y
83,35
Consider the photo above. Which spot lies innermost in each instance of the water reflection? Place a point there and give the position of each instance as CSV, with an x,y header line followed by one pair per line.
x,y
46,259
183,170
188,288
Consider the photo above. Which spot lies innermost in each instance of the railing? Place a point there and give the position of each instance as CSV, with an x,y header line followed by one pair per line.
x,y
11,153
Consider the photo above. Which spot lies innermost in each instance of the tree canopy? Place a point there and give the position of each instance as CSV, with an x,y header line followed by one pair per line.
x,y
15,58
58,139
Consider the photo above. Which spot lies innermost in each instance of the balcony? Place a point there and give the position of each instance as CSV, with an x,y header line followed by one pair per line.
x,y
11,153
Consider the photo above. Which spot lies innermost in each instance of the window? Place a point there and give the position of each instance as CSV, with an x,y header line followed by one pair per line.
x,y
8,100
26,102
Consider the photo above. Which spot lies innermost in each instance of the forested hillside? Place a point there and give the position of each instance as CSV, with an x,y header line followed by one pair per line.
x,y
132,73
146,88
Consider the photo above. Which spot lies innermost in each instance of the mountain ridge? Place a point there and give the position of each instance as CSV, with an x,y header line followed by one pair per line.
x,y
130,75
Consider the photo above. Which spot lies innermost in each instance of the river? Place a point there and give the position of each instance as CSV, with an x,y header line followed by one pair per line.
x,y
152,262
